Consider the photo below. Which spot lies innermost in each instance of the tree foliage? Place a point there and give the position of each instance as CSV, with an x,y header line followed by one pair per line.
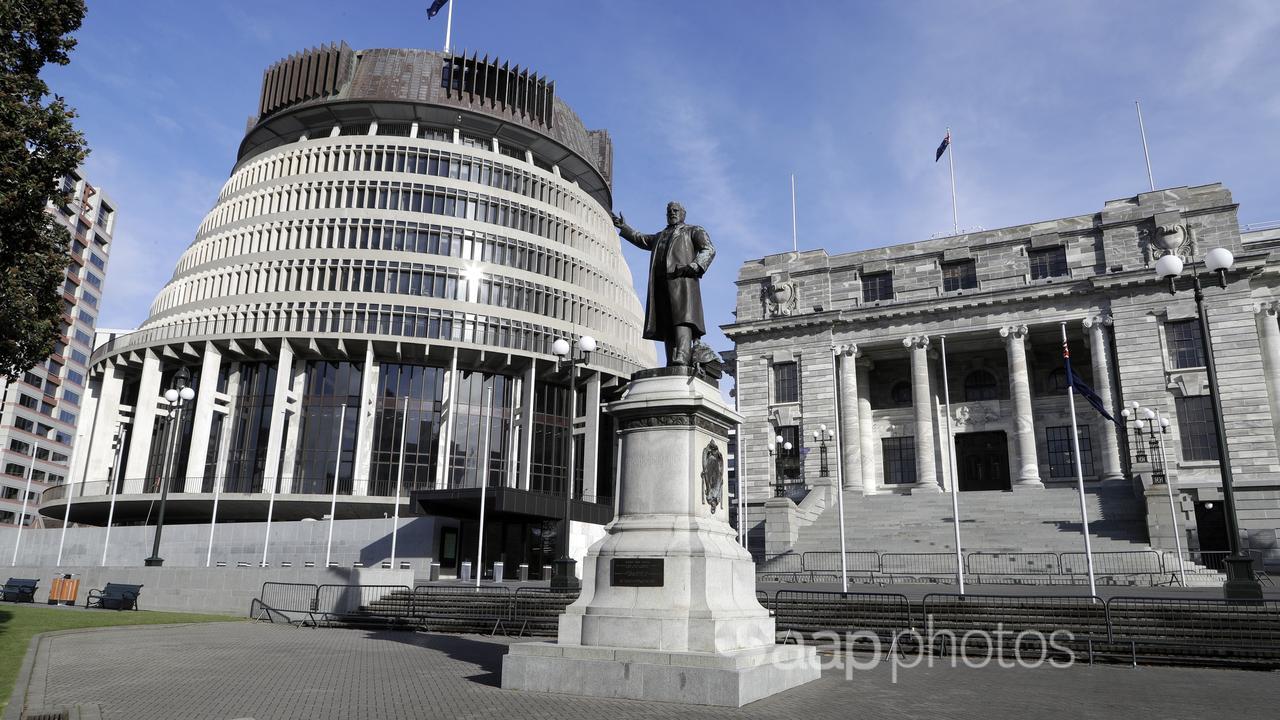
x,y
38,147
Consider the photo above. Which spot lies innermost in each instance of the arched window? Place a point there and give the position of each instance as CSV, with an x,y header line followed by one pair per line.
x,y
1057,381
980,385
901,393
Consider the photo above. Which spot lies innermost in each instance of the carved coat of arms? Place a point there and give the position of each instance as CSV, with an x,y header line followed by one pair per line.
x,y
712,476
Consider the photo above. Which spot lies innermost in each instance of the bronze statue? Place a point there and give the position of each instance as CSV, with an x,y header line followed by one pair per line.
x,y
679,255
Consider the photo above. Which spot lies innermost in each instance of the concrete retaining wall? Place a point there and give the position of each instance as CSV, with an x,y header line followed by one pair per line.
x,y
186,546
207,590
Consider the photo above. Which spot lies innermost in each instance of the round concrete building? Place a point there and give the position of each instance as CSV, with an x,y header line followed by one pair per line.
x,y
404,235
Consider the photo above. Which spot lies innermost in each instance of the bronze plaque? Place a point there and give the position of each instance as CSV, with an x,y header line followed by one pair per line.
x,y
636,572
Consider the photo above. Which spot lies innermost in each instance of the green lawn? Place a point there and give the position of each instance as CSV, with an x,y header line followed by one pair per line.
x,y
19,623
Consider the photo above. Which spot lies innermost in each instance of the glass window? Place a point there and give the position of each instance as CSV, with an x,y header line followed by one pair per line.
x,y
961,275
1197,428
900,394
899,460
1185,348
786,382
1061,462
1048,262
980,385
877,286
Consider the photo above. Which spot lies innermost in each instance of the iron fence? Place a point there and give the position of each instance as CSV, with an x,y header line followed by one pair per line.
x,y
1012,565
862,617
1206,629
930,567
462,608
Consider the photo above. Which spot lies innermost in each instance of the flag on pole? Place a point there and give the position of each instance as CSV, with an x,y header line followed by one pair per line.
x,y
1081,387
946,143
435,8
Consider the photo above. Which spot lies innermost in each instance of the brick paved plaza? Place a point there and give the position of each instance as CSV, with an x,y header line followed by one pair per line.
x,y
269,672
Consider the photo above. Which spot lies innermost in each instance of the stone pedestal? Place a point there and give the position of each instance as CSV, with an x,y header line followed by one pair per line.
x,y
668,610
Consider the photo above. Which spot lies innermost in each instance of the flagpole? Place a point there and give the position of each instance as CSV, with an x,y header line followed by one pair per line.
x,y
271,503
1146,155
835,393
17,541
1075,453
484,482
795,243
395,513
121,429
737,459
951,467
951,161
333,500
448,28
1158,428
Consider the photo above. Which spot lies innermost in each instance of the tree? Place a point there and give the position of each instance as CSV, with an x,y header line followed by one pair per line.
x,y
38,147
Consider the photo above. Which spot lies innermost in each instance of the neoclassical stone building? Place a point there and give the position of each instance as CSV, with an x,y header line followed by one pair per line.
x,y
853,343
371,305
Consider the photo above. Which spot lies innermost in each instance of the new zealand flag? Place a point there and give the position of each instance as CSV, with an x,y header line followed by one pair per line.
x,y
946,143
1082,389
435,8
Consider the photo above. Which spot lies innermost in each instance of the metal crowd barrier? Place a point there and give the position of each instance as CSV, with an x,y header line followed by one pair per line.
x,y
1110,567
359,604
292,603
1015,624
861,616
1204,629
485,608
537,611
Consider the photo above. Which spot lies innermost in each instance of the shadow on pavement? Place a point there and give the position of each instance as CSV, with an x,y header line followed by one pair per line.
x,y
487,655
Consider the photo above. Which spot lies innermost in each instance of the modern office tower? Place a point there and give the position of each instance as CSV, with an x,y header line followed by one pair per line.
x,y
41,410
372,303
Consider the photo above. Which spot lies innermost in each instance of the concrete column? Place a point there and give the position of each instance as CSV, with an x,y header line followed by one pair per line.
x,y
279,418
922,404
202,422
866,427
364,431
1097,326
591,438
293,431
445,450
228,429
850,437
144,420
100,455
1269,340
1028,474
526,425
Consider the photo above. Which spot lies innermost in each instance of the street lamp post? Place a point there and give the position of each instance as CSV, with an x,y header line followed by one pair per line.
x,y
1240,584
1156,427
780,482
177,396
565,575
821,436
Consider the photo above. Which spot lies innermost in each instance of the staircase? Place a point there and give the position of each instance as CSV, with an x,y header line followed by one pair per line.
x,y
1025,521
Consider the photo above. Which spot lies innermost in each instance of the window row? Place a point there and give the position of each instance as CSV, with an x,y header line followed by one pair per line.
x,y
403,197
418,161
418,238
1042,263
376,319
426,281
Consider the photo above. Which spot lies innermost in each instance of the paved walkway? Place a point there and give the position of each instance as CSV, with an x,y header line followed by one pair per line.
x,y
228,671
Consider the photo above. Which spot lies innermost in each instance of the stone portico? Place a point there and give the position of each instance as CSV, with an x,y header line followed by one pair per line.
x,y
861,336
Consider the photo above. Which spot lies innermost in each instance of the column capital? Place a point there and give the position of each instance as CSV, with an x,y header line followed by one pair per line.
x,y
847,349
916,341
1267,307
1098,320
1014,331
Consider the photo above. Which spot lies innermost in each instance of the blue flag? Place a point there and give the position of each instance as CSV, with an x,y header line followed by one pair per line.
x,y
946,142
435,8
1082,389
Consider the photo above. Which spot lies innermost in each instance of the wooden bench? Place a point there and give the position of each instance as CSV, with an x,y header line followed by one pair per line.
x,y
20,590
115,596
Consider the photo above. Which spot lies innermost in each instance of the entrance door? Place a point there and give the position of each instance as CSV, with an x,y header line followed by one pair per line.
x,y
982,461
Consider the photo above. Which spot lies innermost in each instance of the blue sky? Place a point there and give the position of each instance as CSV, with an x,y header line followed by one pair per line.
x,y
716,103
